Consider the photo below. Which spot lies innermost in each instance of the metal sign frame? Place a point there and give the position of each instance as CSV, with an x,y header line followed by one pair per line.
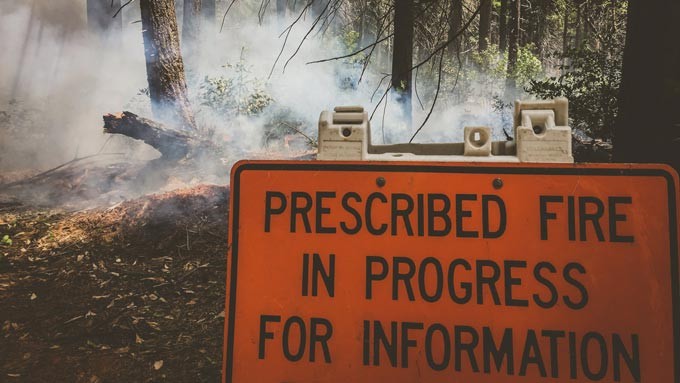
x,y
613,170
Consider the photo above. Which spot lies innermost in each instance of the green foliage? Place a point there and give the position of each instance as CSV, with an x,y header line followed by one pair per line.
x,y
491,61
235,94
6,240
591,83
350,39
528,67
238,93
485,78
349,42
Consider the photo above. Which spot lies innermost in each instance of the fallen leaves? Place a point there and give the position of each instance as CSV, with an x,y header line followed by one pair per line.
x,y
154,325
112,309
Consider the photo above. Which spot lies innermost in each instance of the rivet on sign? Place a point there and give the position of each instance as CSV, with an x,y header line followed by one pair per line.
x,y
380,181
497,183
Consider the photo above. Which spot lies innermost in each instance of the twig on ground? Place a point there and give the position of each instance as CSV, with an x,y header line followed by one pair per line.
x,y
50,171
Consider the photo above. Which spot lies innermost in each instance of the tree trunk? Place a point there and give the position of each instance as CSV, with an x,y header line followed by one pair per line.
x,y
586,26
648,125
191,33
503,27
363,25
541,28
100,20
513,43
565,31
402,58
565,38
164,65
484,24
455,25
579,26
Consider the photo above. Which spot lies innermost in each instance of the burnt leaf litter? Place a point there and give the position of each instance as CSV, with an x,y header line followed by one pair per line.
x,y
130,293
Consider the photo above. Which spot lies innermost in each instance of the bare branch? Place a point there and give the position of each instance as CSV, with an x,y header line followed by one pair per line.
x,y
415,89
379,33
50,171
306,35
434,101
374,44
288,28
330,17
378,87
121,8
300,132
453,38
285,41
355,52
380,101
224,18
382,124
263,10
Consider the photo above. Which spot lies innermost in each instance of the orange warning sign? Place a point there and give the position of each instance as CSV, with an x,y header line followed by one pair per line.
x,y
421,272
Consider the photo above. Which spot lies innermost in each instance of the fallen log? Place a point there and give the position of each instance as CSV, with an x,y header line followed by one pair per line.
x,y
172,144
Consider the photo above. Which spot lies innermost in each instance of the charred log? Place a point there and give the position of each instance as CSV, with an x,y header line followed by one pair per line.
x,y
172,144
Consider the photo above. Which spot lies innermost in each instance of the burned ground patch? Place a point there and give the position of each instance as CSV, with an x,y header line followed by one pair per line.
x,y
130,293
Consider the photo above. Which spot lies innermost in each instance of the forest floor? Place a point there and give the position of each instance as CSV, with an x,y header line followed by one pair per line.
x,y
130,293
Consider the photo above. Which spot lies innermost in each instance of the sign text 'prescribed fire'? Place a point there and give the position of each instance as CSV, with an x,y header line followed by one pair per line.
x,y
360,272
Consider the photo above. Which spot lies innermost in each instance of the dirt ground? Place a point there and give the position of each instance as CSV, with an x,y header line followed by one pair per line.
x,y
131,293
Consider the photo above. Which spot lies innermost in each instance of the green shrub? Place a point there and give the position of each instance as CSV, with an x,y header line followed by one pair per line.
x,y
591,83
485,78
235,94
528,67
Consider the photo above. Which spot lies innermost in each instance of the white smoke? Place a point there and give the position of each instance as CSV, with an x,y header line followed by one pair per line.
x,y
56,81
